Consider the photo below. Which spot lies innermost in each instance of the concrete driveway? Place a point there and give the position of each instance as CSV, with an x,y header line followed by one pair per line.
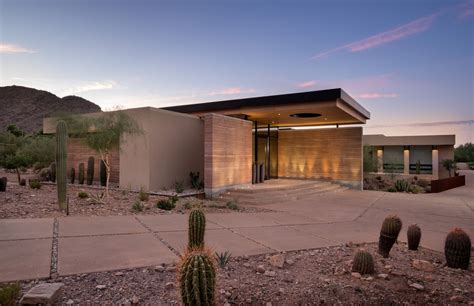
x,y
38,248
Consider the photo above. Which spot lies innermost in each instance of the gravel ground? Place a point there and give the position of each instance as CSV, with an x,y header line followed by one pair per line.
x,y
24,202
307,277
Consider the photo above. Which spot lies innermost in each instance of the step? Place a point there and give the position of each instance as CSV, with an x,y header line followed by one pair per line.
x,y
274,189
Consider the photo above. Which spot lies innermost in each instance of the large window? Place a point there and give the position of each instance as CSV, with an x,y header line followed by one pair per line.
x,y
420,160
393,159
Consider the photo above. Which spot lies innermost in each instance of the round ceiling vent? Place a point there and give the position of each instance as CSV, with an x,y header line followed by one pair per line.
x,y
305,115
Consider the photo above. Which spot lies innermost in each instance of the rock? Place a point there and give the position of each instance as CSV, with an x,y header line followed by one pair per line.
x,y
423,265
260,269
45,293
417,286
246,264
289,262
277,260
356,275
456,298
70,302
382,276
281,290
135,300
388,267
226,304
119,274
160,268
171,269
169,285
368,278
397,273
100,287
268,304
269,273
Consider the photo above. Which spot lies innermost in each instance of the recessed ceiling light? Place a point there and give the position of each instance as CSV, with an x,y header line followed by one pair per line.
x,y
305,115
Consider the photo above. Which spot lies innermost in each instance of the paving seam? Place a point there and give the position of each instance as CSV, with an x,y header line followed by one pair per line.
x,y
25,239
100,235
317,236
250,239
424,214
54,250
155,234
369,207
465,203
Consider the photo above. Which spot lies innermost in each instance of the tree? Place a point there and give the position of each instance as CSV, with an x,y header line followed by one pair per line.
x,y
103,133
464,153
13,129
17,162
449,165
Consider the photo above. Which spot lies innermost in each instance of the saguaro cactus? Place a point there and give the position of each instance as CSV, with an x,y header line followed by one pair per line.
x,y
90,170
72,175
457,249
53,172
388,234
414,237
196,229
197,279
61,156
103,173
81,173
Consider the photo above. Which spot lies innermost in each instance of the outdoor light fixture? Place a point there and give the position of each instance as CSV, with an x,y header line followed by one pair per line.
x,y
305,115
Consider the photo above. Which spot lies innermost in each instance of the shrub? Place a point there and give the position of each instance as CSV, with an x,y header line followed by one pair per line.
x,y
363,263
143,196
391,189
457,249
178,187
97,198
34,184
82,195
391,227
187,205
137,206
402,186
232,205
167,204
196,183
222,258
9,293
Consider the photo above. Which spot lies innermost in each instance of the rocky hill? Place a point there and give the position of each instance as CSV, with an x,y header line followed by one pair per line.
x,y
26,107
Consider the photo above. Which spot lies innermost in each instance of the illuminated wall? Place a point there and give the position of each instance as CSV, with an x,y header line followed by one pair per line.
x,y
332,154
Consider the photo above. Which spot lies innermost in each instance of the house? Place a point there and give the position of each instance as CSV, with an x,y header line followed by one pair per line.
x,y
308,135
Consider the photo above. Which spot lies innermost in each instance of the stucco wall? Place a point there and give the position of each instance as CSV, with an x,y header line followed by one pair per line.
x,y
333,154
227,153
444,152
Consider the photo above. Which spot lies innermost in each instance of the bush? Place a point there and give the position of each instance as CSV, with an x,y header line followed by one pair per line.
x,y
167,204
391,189
35,184
178,187
82,195
464,153
9,294
232,205
187,205
143,196
137,206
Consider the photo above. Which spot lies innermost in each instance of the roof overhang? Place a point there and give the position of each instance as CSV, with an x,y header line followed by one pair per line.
x,y
334,105
424,140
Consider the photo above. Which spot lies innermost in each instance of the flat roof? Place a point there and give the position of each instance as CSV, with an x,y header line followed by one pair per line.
x,y
421,140
334,105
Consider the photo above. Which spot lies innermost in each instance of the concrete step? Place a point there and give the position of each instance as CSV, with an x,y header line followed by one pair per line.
x,y
274,188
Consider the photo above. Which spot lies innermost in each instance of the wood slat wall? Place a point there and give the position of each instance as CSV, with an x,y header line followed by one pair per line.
x,y
227,152
334,154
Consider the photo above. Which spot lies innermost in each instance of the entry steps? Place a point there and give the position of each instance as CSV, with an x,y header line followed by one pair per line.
x,y
270,195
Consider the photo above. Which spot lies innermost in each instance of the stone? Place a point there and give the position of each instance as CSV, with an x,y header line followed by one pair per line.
x,y
260,269
135,300
45,293
119,274
289,262
356,275
70,302
171,269
101,287
160,269
169,285
368,278
269,273
268,304
423,265
277,260
246,264
382,276
456,298
397,273
417,286
388,267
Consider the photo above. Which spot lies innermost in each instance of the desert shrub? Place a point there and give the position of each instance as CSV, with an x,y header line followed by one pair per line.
x,y
9,293
449,165
232,205
464,153
196,183
178,187
98,198
187,205
391,189
137,206
82,195
143,196
402,186
35,184
167,204
223,258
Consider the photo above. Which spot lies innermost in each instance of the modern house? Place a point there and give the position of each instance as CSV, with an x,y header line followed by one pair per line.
x,y
309,135
411,155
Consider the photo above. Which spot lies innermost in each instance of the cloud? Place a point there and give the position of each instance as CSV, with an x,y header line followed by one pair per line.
x,y
426,124
231,91
307,84
466,10
12,48
417,26
376,95
89,86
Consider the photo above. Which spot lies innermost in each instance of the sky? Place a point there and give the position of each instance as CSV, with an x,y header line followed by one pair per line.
x,y
409,62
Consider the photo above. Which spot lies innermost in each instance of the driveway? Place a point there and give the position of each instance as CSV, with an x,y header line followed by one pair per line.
x,y
39,248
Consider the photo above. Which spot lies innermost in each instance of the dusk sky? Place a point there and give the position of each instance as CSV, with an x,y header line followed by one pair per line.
x,y
410,63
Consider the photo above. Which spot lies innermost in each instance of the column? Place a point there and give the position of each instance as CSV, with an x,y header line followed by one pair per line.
x,y
406,160
435,162
380,160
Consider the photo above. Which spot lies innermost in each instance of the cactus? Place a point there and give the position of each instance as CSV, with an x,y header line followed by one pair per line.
x,y
402,186
3,184
457,249
363,263
103,174
23,182
81,173
53,172
90,170
196,229
413,237
72,175
391,227
61,156
197,278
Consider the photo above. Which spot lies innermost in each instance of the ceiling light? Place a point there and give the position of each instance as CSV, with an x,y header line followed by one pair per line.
x,y
305,115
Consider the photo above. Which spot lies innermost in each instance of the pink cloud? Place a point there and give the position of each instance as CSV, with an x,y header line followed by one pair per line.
x,y
12,48
417,26
231,91
466,10
376,95
307,84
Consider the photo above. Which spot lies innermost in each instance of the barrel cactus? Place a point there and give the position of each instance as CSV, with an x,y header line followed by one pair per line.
x,y
72,175
457,249
53,172
196,229
413,237
363,263
90,170
3,184
81,173
103,173
197,278
61,157
391,227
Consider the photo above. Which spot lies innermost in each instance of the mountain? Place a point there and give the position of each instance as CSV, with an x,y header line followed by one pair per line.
x,y
26,107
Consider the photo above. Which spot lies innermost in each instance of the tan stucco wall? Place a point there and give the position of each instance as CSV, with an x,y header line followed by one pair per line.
x,y
333,154
444,152
227,153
